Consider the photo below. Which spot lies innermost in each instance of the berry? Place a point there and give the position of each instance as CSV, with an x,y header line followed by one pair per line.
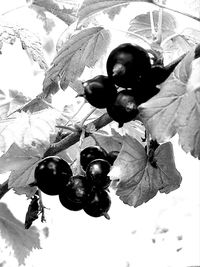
x,y
128,64
68,204
112,155
97,171
99,91
124,108
91,153
78,189
51,174
99,204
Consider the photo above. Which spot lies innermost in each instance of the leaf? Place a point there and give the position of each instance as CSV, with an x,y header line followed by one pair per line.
x,y
32,44
176,108
141,24
21,163
12,230
9,103
29,41
32,130
32,212
65,14
139,181
82,49
29,191
192,35
91,7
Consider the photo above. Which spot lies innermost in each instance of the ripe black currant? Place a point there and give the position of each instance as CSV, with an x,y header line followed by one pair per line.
x,y
112,155
51,174
90,153
124,108
99,91
128,64
99,204
97,171
69,204
78,189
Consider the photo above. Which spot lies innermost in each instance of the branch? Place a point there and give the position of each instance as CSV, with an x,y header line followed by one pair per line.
x,y
66,15
74,137
66,142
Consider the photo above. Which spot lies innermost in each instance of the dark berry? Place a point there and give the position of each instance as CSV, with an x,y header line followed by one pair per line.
x,y
112,155
124,108
99,91
78,189
99,204
127,65
68,204
51,174
97,171
90,153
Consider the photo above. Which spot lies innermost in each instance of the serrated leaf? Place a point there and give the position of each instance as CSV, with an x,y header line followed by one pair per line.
x,y
91,7
141,24
139,181
82,49
12,230
7,35
176,108
21,163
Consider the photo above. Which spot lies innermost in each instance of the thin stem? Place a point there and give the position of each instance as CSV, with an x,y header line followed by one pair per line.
x,y
159,32
153,30
13,9
174,10
87,116
76,113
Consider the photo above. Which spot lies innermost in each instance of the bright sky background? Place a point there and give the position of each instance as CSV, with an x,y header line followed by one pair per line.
x,y
77,240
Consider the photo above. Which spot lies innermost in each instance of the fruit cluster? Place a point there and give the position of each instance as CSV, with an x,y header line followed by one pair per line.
x,y
127,85
88,191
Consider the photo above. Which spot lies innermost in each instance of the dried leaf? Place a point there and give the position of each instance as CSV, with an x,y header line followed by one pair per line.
x,y
176,108
32,212
139,181
12,230
82,49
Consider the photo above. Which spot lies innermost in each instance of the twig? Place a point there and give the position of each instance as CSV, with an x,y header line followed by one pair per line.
x,y
175,10
4,189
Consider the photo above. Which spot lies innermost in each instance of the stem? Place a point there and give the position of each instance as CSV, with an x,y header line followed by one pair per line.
x,y
153,31
73,138
174,10
159,32
87,116
13,9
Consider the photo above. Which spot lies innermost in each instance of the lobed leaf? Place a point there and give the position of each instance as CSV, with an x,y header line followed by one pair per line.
x,y
138,180
176,108
82,49
142,25
12,230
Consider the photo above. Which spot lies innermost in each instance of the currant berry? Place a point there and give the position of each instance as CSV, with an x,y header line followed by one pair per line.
x,y
112,155
99,91
78,189
51,174
91,153
99,205
97,171
124,108
68,204
128,64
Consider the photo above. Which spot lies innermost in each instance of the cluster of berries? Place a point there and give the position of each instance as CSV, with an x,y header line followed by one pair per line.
x,y
127,85
89,191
